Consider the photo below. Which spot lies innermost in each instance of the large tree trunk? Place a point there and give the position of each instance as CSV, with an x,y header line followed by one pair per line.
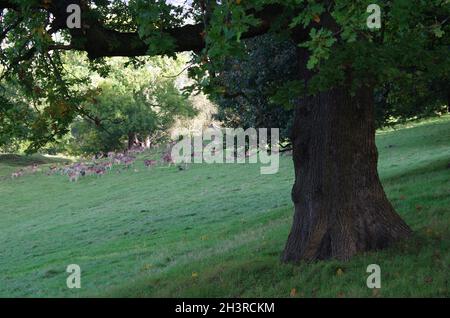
x,y
340,205
131,140
448,100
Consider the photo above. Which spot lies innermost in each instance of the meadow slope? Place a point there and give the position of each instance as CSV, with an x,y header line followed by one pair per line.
x,y
215,230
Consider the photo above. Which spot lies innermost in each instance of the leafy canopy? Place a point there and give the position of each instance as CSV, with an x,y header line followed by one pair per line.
x,y
407,58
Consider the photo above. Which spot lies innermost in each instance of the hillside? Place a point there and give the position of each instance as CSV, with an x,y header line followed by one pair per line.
x,y
214,230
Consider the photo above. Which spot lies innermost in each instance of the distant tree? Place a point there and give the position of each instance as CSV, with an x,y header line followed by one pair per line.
x,y
248,84
16,117
133,106
411,99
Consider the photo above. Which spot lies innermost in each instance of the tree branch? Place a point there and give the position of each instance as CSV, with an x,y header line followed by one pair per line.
x,y
99,41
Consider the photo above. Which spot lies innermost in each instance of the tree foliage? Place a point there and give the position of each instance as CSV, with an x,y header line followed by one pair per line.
x,y
131,104
406,61
249,83
15,117
407,58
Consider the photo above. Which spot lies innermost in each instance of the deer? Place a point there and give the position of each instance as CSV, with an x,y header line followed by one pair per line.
x,y
73,176
128,161
17,174
108,165
100,172
167,158
150,163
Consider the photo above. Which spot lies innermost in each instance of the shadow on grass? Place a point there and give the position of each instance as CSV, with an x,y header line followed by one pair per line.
x,y
417,267
411,268
20,161
428,168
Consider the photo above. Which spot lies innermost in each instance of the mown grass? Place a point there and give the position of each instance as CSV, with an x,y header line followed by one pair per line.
x,y
217,230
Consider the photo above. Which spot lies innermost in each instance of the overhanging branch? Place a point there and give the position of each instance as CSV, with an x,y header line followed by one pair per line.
x,y
99,41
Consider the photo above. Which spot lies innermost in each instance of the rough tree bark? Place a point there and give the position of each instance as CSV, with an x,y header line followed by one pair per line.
x,y
131,140
340,205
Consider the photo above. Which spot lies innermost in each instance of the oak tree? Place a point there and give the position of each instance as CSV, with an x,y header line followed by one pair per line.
x,y
340,205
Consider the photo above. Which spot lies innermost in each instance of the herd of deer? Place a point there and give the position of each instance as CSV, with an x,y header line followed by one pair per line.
x,y
31,169
97,167
100,167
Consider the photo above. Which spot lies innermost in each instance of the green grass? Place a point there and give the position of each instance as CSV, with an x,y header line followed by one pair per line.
x,y
216,230
10,163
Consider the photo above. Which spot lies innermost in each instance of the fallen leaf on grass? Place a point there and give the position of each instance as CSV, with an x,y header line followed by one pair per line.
x,y
428,279
376,292
293,292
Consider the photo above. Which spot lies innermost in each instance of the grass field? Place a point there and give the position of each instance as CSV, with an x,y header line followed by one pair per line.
x,y
215,230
